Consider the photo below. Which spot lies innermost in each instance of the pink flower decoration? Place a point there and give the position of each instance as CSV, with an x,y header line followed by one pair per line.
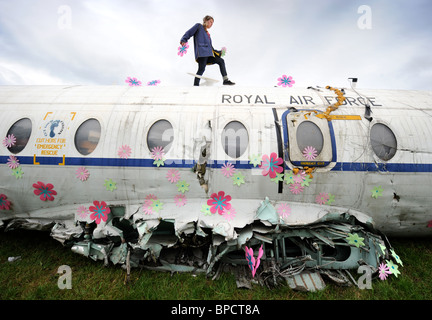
x,y
4,202
228,169
158,153
429,224
322,198
270,165
133,81
180,200
9,141
284,210
153,83
252,263
100,211
173,175
82,212
124,152
219,202
13,162
383,271
82,173
299,177
45,192
310,153
183,50
296,188
285,81
229,214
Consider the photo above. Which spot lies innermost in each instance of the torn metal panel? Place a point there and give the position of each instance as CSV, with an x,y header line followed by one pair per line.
x,y
306,281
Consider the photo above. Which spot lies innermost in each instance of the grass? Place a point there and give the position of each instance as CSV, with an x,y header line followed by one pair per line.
x,y
35,277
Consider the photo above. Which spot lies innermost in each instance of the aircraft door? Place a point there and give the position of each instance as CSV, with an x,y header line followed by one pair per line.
x,y
308,138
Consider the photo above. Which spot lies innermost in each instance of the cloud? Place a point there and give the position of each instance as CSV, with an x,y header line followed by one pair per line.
x,y
316,42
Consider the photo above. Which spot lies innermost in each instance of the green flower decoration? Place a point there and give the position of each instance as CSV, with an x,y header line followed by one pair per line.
x,y
238,179
355,240
331,198
289,177
397,258
255,160
206,210
306,181
182,186
110,185
17,172
377,192
157,205
159,162
393,268
383,249
279,177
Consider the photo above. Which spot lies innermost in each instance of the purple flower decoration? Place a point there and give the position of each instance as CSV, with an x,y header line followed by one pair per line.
x,y
285,81
9,141
153,83
310,153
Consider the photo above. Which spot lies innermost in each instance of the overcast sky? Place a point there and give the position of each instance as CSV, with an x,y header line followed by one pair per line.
x,y
386,44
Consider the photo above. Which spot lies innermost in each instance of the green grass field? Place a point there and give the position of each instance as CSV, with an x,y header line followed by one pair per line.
x,y
35,277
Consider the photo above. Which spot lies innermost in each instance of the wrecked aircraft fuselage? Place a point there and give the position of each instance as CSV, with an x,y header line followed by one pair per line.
x,y
196,179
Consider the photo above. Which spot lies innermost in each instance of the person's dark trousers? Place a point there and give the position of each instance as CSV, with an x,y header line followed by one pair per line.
x,y
202,63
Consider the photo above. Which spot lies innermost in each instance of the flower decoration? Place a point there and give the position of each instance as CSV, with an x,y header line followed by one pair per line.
x,y
252,263
133,81
158,153
238,179
397,258
183,49
17,172
180,200
219,202
148,204
82,212
173,175
383,271
289,177
205,208
228,169
393,268
157,205
429,225
110,185
285,81
13,162
322,198
299,176
159,162
99,212
310,153
279,177
45,192
284,210
223,51
4,202
270,165
331,199
355,239
153,83
255,160
377,192
124,152
9,141
229,214
82,173
182,186
296,188
306,181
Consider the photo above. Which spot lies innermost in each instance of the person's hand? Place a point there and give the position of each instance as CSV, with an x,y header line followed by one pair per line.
x,y
182,43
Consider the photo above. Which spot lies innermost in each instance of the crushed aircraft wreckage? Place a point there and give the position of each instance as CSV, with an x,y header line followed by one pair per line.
x,y
297,254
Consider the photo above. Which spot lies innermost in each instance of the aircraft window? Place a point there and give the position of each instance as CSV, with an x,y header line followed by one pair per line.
x,y
21,130
383,141
161,134
309,135
235,139
87,136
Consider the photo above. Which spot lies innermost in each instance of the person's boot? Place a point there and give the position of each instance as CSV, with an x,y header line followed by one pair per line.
x,y
228,82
